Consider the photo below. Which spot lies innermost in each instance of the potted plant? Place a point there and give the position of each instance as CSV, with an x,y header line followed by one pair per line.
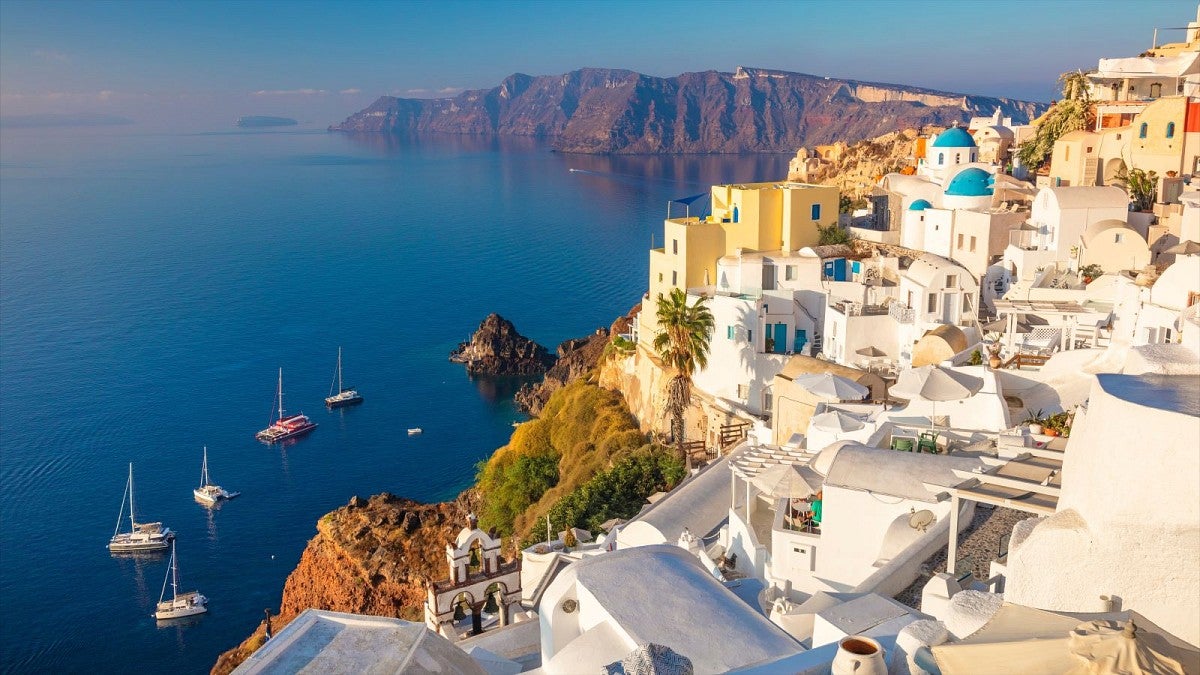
x,y
1058,424
1090,272
994,356
1034,422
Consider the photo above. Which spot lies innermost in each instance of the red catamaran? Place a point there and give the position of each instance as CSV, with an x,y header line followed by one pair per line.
x,y
285,427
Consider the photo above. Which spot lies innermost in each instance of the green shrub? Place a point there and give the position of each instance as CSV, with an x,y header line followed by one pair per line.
x,y
620,491
833,234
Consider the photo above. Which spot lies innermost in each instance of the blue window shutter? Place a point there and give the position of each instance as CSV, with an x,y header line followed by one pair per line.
x,y
729,332
816,211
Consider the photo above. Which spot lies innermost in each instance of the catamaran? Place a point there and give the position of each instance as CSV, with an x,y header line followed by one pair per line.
x,y
285,427
180,604
141,536
346,395
208,493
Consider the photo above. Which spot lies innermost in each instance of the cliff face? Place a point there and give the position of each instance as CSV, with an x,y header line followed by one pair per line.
x,y
368,557
598,110
498,349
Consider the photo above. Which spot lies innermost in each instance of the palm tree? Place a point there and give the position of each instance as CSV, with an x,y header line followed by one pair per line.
x,y
1072,113
682,343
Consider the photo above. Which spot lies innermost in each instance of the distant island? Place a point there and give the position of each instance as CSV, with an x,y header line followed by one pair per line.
x,y
58,120
601,110
257,121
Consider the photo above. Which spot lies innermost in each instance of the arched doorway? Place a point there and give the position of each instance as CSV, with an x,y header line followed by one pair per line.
x,y
1112,169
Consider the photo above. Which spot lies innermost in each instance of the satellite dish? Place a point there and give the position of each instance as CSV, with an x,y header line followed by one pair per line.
x,y
921,520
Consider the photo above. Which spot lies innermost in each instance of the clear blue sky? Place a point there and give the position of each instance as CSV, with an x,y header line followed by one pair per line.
x,y
205,62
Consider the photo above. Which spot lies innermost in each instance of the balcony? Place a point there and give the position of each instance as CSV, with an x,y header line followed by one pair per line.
x,y
850,308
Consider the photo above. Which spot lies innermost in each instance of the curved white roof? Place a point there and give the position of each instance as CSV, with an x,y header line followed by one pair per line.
x,y
900,474
1101,226
700,504
649,592
923,270
1082,197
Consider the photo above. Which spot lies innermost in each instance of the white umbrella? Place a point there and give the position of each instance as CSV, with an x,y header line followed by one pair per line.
x,y
832,387
933,384
788,480
837,421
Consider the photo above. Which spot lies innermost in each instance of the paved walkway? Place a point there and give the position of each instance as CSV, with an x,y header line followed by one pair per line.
x,y
980,542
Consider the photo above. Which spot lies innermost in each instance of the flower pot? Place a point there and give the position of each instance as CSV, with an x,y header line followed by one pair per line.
x,y
994,362
1035,428
1050,432
857,655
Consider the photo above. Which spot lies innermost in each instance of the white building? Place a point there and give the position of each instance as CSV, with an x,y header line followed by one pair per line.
x,y
1127,524
1058,219
600,609
947,150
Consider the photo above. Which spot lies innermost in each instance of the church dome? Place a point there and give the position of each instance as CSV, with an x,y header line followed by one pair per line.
x,y
954,137
919,205
972,182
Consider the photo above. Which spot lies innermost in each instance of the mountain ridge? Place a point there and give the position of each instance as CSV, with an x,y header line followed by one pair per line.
x,y
618,111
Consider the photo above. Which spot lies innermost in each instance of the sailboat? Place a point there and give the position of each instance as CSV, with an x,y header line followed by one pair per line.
x,y
208,493
141,536
180,604
285,427
345,395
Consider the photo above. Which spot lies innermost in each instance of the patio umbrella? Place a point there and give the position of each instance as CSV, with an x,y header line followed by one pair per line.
x,y
788,480
1109,647
832,387
837,421
1187,247
934,384
872,352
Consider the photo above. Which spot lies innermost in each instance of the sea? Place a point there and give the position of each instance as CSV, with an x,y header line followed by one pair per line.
x,y
153,284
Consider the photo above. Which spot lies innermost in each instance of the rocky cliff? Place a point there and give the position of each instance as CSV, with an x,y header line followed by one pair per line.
x,y
368,557
599,110
498,349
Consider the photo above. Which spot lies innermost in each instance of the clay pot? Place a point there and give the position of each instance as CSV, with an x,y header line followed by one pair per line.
x,y
1035,428
994,362
1050,432
857,655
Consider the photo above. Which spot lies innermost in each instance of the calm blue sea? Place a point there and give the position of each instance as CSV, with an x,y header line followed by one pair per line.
x,y
152,285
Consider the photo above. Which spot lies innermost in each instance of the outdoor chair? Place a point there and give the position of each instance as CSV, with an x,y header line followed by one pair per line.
x,y
928,442
902,444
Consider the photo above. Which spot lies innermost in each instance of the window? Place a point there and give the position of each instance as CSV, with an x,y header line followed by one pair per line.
x,y
660,277
768,400
951,281
966,303
1142,130
750,335
941,158
816,211
789,272
1155,90
674,278
958,158
1170,130
972,244
932,305
1089,150
675,246
729,332
960,242
743,391
1118,237
1066,153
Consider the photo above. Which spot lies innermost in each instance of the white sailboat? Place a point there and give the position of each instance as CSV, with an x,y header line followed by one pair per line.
x,y
141,536
180,604
208,493
345,395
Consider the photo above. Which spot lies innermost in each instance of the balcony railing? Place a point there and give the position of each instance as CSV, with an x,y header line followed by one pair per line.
x,y
858,309
901,314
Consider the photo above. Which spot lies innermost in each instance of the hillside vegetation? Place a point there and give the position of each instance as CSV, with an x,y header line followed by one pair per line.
x,y
586,448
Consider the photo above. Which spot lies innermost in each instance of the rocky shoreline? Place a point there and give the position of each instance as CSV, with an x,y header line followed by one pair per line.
x,y
496,348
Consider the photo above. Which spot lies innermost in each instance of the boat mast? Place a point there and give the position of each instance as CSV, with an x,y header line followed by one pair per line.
x,y
204,469
163,592
174,573
132,521
339,370
280,393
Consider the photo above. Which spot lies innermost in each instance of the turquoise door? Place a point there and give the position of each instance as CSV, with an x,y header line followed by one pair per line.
x,y
801,340
780,338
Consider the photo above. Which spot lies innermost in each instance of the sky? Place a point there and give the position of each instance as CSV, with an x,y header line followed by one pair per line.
x,y
202,64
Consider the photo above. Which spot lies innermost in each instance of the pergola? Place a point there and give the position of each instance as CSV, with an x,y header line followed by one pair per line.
x,y
750,460
1030,482
1069,312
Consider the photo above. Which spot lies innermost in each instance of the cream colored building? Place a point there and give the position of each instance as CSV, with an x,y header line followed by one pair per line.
x,y
1112,245
777,216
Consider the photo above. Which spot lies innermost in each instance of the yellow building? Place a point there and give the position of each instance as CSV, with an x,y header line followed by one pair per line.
x,y
751,216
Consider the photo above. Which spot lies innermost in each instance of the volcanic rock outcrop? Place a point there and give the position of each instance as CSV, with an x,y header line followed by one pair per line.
x,y
498,349
369,557
603,110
